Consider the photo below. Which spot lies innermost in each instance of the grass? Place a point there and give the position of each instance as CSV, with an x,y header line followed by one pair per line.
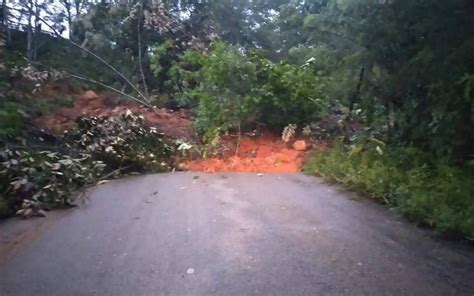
x,y
429,193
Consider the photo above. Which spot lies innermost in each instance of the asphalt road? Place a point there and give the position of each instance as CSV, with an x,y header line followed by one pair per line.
x,y
230,234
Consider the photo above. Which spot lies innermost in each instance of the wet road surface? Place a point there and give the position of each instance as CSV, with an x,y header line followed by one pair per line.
x,y
230,234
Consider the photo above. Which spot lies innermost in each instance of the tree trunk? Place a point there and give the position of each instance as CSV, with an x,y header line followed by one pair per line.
x,y
146,100
4,24
355,97
69,21
29,40
140,62
37,31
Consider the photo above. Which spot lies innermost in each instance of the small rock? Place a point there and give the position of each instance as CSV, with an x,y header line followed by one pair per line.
x,y
300,145
190,271
90,95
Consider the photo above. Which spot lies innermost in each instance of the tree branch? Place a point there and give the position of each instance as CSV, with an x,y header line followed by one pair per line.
x,y
109,87
140,65
69,74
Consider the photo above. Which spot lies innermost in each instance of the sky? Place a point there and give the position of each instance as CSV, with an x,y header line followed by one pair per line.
x,y
18,14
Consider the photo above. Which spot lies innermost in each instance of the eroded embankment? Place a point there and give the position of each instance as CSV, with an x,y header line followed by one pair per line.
x,y
264,153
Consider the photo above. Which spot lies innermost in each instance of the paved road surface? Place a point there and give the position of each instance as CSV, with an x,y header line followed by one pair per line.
x,y
231,234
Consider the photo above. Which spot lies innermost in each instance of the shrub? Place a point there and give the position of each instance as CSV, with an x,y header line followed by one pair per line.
x,y
125,143
431,193
234,87
12,121
97,147
46,177
184,78
290,94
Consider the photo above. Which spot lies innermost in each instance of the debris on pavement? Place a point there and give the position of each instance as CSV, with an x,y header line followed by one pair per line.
x,y
190,271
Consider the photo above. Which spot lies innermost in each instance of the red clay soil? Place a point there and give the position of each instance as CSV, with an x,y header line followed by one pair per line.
x,y
173,124
264,154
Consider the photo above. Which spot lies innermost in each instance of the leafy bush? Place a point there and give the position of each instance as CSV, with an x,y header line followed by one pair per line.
x,y
234,87
226,89
211,140
46,177
431,193
158,54
290,93
12,121
124,142
97,147
184,78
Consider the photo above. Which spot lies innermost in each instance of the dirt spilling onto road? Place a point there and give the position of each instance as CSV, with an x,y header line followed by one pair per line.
x,y
266,153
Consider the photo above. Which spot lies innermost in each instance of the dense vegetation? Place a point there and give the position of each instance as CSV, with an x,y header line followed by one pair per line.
x,y
49,172
425,190
390,82
231,88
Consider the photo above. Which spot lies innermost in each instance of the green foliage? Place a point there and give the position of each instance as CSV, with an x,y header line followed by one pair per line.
x,y
184,78
235,87
431,193
211,140
46,177
12,121
158,54
291,94
97,147
417,67
124,142
226,89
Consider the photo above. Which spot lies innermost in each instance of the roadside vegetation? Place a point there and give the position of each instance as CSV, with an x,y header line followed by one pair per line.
x,y
388,84
428,191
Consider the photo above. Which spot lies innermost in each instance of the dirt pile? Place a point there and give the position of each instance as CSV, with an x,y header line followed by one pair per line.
x,y
174,124
264,154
